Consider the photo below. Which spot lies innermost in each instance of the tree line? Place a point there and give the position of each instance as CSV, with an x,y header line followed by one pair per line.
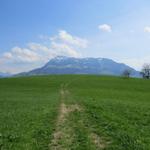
x,y
145,72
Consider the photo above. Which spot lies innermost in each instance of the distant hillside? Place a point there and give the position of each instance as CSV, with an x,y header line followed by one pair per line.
x,y
70,65
4,74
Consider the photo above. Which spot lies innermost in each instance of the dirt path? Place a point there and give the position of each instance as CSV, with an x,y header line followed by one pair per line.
x,y
64,134
98,141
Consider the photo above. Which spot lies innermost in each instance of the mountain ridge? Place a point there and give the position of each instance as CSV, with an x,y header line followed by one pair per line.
x,y
2,74
89,65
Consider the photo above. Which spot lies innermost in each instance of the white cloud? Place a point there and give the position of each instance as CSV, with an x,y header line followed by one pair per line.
x,y
64,50
73,40
7,55
147,29
18,54
36,54
105,28
38,47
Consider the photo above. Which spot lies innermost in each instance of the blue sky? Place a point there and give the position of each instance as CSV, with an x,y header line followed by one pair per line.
x,y
34,31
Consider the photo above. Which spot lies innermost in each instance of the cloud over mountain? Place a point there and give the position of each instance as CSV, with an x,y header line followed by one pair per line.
x,y
105,28
63,44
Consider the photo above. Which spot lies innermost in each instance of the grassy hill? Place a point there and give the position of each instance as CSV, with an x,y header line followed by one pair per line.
x,y
74,112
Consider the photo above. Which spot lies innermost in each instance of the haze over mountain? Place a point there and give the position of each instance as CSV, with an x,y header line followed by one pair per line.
x,y
71,65
4,74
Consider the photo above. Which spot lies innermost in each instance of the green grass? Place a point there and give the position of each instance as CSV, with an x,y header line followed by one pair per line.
x,y
28,111
117,110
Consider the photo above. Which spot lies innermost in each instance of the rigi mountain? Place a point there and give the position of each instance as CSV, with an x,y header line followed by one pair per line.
x,y
71,65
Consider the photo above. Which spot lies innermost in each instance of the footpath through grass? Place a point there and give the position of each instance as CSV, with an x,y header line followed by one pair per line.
x,y
75,112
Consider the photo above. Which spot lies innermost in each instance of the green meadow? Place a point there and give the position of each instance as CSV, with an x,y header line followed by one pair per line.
x,y
74,112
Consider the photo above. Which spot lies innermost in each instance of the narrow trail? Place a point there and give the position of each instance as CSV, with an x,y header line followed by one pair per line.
x,y
62,137
64,134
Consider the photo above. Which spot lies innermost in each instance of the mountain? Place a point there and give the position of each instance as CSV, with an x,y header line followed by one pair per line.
x,y
70,65
2,75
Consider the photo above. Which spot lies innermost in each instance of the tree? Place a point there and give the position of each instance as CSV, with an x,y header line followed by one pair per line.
x,y
146,71
126,73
